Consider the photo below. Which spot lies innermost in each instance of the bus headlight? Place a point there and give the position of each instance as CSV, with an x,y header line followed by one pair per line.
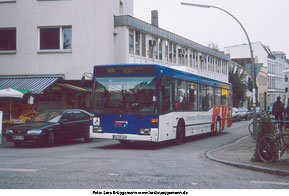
x,y
144,131
97,129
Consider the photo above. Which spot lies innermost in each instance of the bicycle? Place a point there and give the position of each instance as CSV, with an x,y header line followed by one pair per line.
x,y
274,145
251,125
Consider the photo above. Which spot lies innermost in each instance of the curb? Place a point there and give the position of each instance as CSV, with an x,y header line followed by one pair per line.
x,y
209,155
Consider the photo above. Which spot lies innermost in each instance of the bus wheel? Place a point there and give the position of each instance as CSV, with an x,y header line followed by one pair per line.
x,y
180,135
124,142
217,127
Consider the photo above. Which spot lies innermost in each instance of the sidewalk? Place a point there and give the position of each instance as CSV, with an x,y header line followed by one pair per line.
x,y
241,153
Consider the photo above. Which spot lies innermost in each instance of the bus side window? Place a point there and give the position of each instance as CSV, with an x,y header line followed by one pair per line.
x,y
193,89
182,96
218,95
166,95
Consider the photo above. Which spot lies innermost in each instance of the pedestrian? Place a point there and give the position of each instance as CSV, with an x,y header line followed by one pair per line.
x,y
278,109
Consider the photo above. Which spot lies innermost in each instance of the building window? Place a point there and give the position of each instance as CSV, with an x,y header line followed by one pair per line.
x,y
131,41
143,44
55,38
137,43
155,49
174,53
67,37
160,49
8,39
170,52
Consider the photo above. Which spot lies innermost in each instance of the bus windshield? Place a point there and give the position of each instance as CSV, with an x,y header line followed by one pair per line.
x,y
125,95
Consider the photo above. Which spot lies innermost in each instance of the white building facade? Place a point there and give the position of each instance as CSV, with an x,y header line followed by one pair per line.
x,y
276,79
50,47
140,42
58,37
270,80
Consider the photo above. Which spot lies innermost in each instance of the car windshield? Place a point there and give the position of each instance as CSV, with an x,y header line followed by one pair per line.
x,y
47,116
125,95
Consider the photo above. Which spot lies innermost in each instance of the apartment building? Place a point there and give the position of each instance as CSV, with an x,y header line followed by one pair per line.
x,y
276,79
269,79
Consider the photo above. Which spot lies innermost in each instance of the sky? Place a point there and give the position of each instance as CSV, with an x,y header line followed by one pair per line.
x,y
264,20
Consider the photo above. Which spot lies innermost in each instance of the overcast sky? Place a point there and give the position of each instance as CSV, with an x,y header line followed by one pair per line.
x,y
264,20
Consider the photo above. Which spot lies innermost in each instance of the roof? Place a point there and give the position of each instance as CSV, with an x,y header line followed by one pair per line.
x,y
146,27
36,83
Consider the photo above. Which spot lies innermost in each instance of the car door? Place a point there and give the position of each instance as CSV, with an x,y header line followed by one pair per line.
x,y
81,124
67,126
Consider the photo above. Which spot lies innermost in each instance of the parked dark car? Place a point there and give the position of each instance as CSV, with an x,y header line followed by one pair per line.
x,y
244,113
52,126
259,112
235,115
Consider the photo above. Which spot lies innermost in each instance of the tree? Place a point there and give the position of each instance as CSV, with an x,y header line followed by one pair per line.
x,y
239,86
214,46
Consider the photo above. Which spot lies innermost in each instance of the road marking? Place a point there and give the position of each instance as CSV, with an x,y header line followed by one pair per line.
x,y
194,184
270,182
18,170
113,174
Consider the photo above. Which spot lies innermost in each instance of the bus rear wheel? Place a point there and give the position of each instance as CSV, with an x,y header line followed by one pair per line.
x,y
180,135
217,127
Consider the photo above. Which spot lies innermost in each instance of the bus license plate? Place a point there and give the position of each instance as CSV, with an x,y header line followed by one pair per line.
x,y
18,137
119,137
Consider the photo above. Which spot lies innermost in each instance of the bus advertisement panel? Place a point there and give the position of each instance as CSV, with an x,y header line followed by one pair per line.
x,y
156,103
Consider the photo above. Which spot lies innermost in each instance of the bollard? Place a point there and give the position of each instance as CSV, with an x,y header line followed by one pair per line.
x,y
1,123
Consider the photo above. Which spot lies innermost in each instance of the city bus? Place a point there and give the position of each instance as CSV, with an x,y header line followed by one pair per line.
x,y
150,102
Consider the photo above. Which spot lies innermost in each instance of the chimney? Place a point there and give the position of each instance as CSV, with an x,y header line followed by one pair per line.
x,y
155,18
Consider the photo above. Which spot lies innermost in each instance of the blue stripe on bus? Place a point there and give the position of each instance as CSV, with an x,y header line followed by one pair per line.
x,y
170,72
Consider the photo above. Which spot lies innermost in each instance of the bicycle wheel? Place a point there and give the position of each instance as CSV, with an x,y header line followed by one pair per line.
x,y
250,128
267,148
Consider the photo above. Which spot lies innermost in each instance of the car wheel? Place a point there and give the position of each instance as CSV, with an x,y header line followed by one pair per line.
x,y
50,139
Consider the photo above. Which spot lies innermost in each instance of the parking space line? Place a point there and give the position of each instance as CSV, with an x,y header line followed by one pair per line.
x,y
18,170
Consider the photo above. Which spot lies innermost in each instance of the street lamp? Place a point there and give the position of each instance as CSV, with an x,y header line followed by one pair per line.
x,y
252,57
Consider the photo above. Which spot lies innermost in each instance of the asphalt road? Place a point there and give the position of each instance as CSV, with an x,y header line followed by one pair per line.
x,y
105,164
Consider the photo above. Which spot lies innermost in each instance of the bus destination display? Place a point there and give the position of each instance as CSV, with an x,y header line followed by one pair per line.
x,y
146,69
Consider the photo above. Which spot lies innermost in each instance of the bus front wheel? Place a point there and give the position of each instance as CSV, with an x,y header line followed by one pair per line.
x,y
180,135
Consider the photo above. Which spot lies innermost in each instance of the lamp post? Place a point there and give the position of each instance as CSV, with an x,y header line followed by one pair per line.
x,y
252,57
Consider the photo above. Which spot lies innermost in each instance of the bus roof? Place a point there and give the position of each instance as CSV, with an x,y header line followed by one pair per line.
x,y
187,74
